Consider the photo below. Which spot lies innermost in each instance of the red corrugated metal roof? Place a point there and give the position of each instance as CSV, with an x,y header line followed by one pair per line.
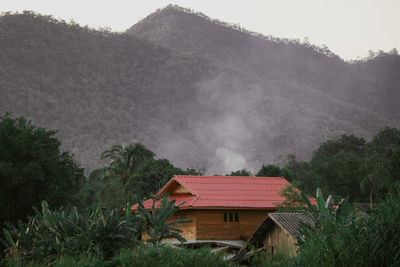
x,y
225,191
185,199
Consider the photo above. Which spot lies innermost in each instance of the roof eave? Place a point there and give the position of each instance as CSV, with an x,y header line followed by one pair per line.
x,y
229,208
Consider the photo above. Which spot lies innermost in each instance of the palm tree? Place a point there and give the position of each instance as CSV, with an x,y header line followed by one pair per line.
x,y
125,160
155,221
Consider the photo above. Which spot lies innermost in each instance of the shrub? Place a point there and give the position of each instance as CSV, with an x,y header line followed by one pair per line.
x,y
359,240
260,259
61,261
51,234
147,255
140,256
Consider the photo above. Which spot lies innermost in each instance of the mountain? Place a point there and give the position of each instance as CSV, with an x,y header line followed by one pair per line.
x,y
97,88
203,93
371,84
274,96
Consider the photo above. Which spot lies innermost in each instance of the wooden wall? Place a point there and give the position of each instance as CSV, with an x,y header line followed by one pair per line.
x,y
210,224
277,240
189,229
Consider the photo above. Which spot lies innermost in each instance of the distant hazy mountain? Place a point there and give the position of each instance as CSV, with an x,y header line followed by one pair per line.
x,y
200,92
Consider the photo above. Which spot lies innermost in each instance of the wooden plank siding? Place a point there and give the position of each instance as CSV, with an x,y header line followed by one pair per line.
x,y
279,241
210,225
189,229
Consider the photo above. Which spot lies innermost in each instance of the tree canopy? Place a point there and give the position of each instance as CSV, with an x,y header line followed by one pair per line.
x,y
32,169
133,173
242,172
271,170
351,166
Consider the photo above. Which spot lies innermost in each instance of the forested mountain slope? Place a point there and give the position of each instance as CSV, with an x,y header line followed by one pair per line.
x,y
372,84
96,88
199,92
272,96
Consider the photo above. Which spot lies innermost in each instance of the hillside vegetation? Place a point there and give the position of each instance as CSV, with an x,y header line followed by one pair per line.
x,y
102,230
197,91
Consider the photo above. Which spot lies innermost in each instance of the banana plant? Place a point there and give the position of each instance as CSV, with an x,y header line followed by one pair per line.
x,y
70,232
155,222
324,214
325,207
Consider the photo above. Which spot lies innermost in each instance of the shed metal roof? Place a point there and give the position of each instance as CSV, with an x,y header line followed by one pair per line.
x,y
289,222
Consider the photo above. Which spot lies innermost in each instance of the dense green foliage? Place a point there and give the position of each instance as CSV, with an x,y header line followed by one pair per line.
x,y
124,163
271,170
354,239
67,231
111,237
33,168
141,256
132,174
339,238
345,237
148,256
242,172
49,235
278,259
350,166
153,175
93,233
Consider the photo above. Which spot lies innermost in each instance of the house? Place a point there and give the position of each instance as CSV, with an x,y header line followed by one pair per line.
x,y
223,209
279,232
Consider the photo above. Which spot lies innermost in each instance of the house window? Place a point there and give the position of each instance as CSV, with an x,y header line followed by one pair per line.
x,y
231,216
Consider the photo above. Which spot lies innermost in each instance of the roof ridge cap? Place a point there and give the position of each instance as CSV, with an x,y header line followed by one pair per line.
x,y
229,176
290,213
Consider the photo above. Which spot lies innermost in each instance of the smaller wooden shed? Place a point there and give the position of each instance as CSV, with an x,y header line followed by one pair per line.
x,y
278,232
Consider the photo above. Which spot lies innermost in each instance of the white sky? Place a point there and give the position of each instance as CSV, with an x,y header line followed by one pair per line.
x,y
348,27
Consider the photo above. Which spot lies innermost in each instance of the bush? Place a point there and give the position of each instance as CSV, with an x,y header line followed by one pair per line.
x,y
260,259
141,256
61,261
149,255
52,234
33,168
360,240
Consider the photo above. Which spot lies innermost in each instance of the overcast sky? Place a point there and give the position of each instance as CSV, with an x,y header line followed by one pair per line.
x,y
348,27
